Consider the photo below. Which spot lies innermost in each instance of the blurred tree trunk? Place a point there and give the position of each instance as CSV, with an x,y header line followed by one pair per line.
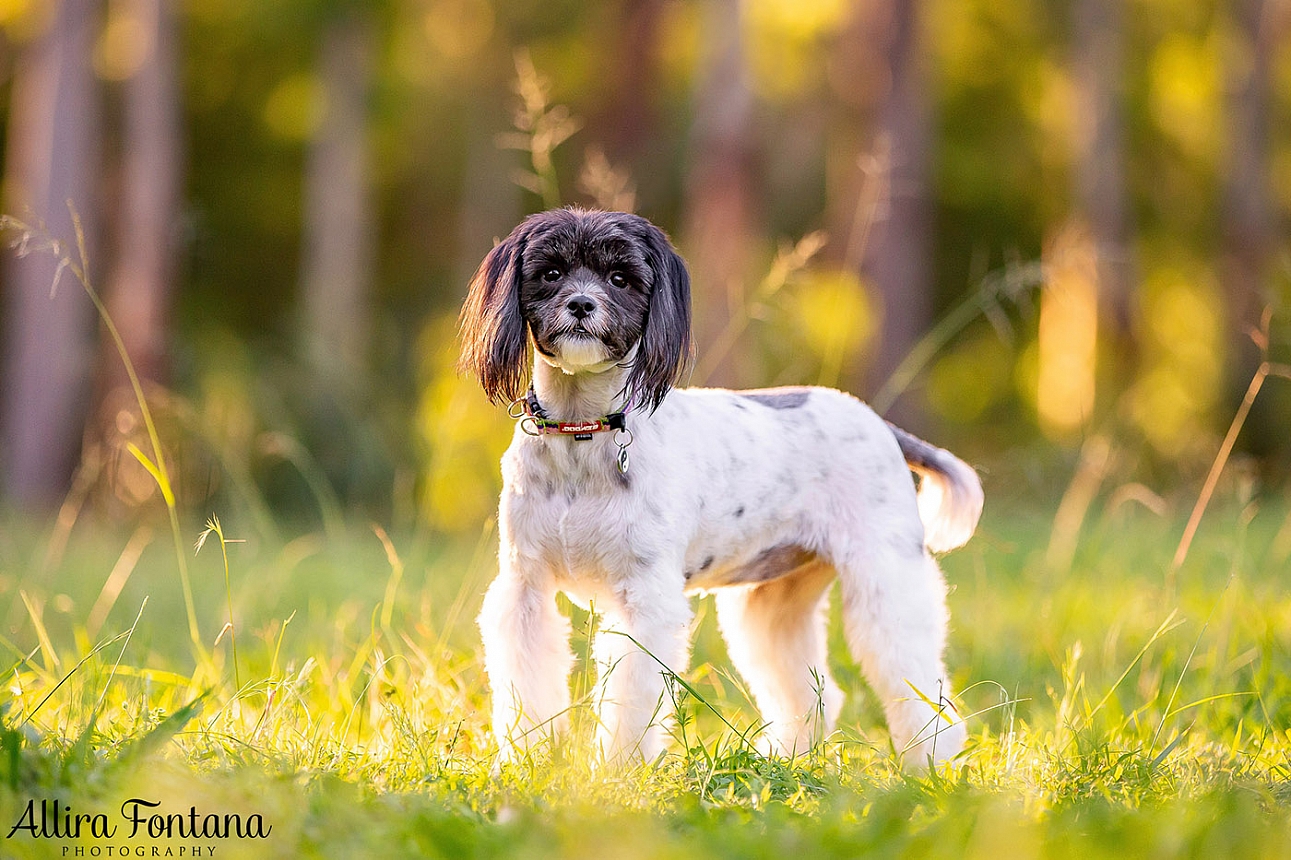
x,y
142,283
897,257
52,159
1101,195
1087,260
1249,231
630,115
491,201
719,194
338,256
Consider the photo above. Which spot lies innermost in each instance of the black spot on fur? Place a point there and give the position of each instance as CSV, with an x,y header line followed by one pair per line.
x,y
916,451
772,563
739,512
779,398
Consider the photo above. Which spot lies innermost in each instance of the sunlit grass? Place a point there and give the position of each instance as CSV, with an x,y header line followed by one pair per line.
x,y
1124,662
1106,704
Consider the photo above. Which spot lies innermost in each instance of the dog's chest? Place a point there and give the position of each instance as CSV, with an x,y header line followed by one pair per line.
x,y
570,510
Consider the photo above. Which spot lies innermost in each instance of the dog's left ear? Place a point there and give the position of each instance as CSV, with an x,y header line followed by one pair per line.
x,y
491,327
665,344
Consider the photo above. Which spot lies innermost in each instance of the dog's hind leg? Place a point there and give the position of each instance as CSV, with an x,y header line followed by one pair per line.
x,y
894,612
775,634
528,660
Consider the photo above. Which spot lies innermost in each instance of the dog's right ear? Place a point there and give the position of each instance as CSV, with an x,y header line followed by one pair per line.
x,y
665,344
491,327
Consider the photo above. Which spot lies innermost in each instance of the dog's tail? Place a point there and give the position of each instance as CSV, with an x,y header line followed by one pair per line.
x,y
950,493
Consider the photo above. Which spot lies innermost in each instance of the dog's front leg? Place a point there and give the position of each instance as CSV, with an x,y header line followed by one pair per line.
x,y
527,658
645,638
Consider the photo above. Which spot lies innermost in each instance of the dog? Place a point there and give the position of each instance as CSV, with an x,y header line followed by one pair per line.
x,y
629,494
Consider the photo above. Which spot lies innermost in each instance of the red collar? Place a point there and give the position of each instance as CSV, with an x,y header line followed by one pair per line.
x,y
536,422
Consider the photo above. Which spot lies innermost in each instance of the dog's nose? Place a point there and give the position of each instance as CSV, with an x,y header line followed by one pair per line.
x,y
581,306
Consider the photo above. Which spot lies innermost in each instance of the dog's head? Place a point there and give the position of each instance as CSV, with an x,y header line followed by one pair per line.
x,y
593,289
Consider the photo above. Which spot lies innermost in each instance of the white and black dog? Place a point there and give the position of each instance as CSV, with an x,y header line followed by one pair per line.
x,y
625,493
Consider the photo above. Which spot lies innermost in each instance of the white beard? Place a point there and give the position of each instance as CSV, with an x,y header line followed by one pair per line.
x,y
581,355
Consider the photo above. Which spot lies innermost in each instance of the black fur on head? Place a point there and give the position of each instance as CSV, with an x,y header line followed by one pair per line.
x,y
581,283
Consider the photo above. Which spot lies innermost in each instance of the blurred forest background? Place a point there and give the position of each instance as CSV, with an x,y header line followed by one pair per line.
x,y
282,202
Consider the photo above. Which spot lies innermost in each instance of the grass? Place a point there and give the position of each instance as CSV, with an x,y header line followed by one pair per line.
x,y
1114,711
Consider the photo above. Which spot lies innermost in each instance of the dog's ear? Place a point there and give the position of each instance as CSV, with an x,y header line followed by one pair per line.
x,y
665,344
491,327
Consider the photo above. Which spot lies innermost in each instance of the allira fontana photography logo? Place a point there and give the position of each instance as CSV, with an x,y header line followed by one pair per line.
x,y
138,819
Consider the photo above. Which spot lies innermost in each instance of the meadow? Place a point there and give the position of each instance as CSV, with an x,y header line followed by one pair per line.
x,y
211,651
1119,703
310,684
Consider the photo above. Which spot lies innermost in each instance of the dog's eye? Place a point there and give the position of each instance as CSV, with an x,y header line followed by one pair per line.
x,y
551,275
618,279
